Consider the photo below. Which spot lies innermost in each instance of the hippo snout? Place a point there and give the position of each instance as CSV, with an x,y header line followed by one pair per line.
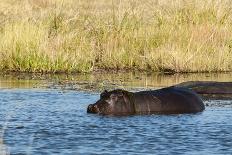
x,y
92,109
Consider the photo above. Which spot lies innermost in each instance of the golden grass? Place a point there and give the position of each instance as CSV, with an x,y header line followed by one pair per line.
x,y
85,35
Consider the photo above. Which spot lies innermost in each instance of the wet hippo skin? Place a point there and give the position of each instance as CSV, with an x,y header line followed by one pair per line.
x,y
210,90
170,100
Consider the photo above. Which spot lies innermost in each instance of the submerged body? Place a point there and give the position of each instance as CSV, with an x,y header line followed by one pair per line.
x,y
210,89
171,100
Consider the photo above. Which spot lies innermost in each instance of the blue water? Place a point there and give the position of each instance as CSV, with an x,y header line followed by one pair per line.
x,y
36,121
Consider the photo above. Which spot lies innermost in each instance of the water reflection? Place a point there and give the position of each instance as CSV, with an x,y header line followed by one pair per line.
x,y
3,148
101,81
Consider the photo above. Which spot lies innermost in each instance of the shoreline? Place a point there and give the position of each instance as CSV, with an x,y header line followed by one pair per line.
x,y
114,71
98,81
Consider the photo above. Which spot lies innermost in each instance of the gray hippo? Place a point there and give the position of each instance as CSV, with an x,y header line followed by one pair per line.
x,y
170,100
209,90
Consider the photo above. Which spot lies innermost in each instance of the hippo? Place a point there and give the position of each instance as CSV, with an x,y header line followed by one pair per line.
x,y
170,100
209,90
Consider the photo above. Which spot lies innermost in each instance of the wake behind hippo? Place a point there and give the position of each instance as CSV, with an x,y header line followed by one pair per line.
x,y
171,100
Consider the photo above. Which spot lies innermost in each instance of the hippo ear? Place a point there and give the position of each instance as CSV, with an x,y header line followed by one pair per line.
x,y
103,93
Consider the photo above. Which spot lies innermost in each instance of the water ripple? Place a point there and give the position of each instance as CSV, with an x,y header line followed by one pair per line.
x,y
55,122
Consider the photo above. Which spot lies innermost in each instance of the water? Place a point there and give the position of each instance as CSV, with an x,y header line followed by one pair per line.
x,y
54,121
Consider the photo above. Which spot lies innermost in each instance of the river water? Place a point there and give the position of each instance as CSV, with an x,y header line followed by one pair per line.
x,y
46,114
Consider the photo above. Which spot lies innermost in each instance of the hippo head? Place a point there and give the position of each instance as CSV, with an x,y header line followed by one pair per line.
x,y
116,102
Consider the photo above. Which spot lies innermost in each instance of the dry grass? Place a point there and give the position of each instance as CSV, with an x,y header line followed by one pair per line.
x,y
84,35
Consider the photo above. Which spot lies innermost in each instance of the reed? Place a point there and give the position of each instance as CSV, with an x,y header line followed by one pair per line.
x,y
87,35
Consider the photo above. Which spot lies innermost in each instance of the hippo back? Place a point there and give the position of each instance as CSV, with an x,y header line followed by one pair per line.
x,y
171,100
209,90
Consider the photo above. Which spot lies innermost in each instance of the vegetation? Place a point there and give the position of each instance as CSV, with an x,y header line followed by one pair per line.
x,y
86,35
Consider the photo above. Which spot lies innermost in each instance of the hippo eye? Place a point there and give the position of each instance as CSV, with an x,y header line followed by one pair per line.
x,y
113,96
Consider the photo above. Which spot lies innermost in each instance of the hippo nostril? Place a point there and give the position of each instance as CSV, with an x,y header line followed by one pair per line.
x,y
90,107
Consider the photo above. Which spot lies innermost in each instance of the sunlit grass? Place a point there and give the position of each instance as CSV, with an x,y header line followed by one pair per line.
x,y
86,35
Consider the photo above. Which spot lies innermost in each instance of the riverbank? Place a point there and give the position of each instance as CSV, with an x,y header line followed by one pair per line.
x,y
85,36
98,82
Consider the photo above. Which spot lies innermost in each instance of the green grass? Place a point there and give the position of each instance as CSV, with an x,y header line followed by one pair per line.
x,y
86,35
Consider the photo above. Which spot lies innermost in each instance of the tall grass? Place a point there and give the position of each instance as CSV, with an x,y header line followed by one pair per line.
x,y
86,35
